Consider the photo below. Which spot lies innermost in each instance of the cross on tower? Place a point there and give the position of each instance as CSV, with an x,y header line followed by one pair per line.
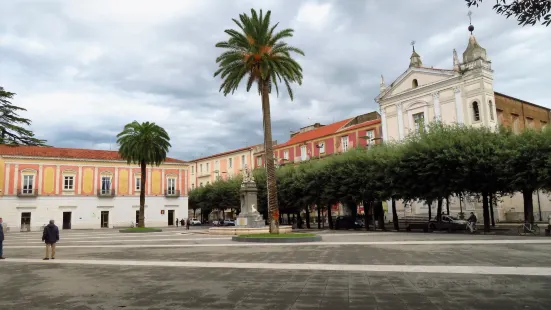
x,y
413,45
470,14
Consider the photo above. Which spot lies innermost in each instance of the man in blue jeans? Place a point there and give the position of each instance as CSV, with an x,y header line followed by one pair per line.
x,y
1,239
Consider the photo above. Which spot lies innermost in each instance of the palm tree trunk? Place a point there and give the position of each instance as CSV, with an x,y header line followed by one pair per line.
x,y
270,165
141,221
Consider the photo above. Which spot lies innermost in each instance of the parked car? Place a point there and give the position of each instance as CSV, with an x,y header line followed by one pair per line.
x,y
195,222
228,223
348,222
449,223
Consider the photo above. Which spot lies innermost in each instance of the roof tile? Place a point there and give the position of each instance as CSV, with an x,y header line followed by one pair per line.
x,y
56,152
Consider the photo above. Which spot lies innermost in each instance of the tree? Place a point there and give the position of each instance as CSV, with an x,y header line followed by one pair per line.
x,y
143,144
527,12
258,53
11,124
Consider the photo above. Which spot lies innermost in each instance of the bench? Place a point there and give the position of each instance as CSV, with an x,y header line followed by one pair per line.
x,y
414,222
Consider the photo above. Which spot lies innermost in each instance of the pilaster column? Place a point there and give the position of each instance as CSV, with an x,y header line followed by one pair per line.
x,y
148,181
426,117
7,180
115,185
400,116
79,190
383,124
181,181
459,105
162,181
436,103
40,178
96,181
16,178
130,181
57,179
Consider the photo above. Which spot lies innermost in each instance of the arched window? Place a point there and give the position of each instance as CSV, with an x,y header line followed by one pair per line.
x,y
476,112
414,83
491,105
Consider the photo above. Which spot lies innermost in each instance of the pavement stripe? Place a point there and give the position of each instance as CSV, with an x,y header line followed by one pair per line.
x,y
69,237
120,240
478,270
321,243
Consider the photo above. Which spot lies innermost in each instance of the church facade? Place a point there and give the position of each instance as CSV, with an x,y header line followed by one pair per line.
x,y
462,94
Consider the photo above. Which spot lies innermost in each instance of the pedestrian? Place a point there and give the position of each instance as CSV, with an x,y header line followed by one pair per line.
x,y
176,222
50,236
187,224
182,222
1,239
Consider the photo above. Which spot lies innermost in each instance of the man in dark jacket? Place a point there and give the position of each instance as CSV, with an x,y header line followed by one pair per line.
x,y
50,236
1,239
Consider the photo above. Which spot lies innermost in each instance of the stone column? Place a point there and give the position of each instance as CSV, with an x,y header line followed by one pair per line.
x,y
40,178
436,103
383,125
57,179
400,116
459,105
426,117
79,190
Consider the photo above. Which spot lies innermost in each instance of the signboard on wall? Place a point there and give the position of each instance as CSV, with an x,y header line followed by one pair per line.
x,y
162,211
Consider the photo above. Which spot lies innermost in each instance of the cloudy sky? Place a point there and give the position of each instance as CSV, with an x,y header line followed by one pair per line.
x,y
85,68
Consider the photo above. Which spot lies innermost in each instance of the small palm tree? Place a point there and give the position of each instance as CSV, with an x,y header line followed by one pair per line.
x,y
143,144
258,53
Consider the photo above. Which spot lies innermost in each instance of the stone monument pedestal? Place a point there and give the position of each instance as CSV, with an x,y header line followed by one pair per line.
x,y
249,216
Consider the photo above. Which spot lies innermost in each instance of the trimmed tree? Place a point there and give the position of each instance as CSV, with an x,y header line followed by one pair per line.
x,y
258,53
527,12
143,144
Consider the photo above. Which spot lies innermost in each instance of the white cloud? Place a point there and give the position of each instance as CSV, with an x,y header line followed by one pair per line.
x,y
85,68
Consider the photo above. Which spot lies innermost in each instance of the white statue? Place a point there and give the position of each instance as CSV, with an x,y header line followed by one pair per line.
x,y
247,175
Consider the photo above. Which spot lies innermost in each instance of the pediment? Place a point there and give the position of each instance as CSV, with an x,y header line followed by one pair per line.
x,y
423,76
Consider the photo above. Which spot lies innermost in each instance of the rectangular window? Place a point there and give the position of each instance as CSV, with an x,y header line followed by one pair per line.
x,y
28,183
242,161
303,153
68,182
201,168
216,165
344,143
259,161
192,169
321,147
137,184
208,168
286,155
419,122
192,186
171,186
543,124
516,129
230,162
105,185
370,134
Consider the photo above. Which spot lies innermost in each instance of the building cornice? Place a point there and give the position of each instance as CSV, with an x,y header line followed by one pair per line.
x,y
422,90
80,160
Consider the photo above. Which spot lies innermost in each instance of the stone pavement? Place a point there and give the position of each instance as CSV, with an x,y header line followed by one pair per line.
x,y
354,270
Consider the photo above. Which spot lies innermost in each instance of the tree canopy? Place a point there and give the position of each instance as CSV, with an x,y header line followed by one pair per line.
x,y
527,12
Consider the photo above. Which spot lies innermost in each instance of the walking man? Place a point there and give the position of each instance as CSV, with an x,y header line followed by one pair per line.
x,y
1,239
187,223
50,236
176,222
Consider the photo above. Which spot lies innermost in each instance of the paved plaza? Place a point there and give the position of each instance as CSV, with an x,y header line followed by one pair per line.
x,y
177,269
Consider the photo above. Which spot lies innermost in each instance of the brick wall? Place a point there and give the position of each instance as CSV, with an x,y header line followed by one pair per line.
x,y
512,112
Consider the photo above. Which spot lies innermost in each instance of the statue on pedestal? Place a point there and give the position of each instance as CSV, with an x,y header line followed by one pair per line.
x,y
249,216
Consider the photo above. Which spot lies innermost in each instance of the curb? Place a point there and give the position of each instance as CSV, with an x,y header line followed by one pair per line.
x,y
124,231
277,240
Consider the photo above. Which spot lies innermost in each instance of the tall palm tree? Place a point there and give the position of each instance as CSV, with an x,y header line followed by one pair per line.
x,y
143,144
259,53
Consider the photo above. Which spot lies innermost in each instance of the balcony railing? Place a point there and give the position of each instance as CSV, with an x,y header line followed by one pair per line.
x,y
27,193
172,193
106,193
203,174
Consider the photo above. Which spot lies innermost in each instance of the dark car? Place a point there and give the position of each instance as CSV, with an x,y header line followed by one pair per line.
x,y
228,223
348,222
